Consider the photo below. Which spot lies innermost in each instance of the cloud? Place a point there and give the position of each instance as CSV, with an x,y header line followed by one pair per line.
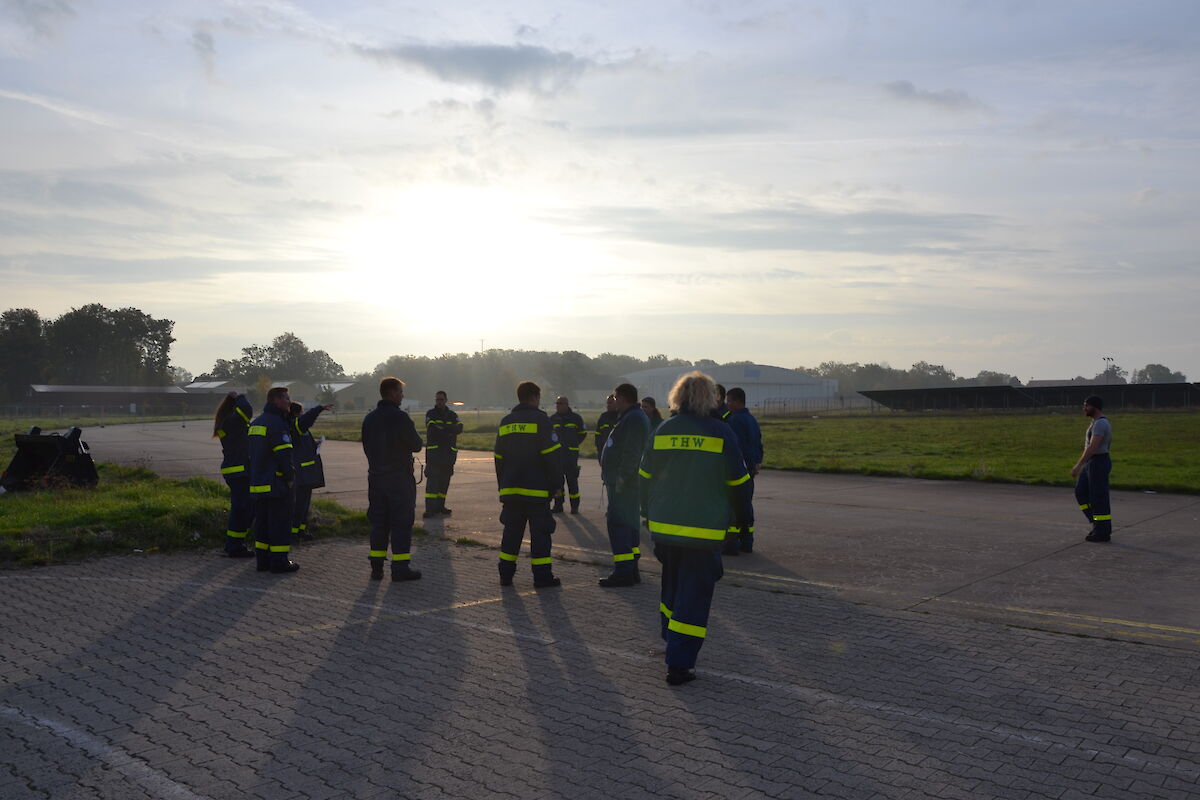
x,y
206,48
948,99
794,227
500,68
688,127
41,17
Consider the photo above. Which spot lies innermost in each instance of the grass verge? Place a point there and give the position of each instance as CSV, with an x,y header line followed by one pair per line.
x,y
132,510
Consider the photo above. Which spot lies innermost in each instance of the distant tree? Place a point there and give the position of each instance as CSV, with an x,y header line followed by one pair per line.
x,y
97,345
180,376
1113,374
258,392
705,363
986,377
287,357
1157,373
22,352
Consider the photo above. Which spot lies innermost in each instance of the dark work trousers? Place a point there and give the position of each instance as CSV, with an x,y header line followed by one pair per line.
x,y
624,525
241,512
688,579
570,465
743,525
437,484
301,502
1091,490
391,509
273,529
515,516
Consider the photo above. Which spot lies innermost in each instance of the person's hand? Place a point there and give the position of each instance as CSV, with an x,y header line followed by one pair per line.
x,y
327,407
1075,470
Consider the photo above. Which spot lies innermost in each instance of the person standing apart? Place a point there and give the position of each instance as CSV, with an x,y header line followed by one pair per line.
x,y
571,430
272,475
693,480
309,472
441,451
527,471
619,469
1091,472
389,439
230,425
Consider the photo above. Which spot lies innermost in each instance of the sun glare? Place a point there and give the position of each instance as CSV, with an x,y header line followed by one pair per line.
x,y
451,248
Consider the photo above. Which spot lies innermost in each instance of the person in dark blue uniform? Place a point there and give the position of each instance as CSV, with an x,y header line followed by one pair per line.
x,y
604,424
571,430
527,471
722,410
271,477
389,439
749,436
441,451
619,470
230,426
1091,472
693,478
310,474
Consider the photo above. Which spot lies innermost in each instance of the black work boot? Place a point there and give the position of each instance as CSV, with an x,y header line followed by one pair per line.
x,y
677,676
376,569
284,567
405,573
619,580
546,582
574,506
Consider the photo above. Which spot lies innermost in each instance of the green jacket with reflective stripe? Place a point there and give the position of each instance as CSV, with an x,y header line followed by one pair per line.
x,y
270,464
691,479
527,456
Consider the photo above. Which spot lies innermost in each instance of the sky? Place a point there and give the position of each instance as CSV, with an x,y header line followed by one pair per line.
x,y
1001,185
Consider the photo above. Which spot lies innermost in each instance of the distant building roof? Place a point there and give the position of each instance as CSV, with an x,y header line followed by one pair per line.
x,y
1074,382
42,388
732,375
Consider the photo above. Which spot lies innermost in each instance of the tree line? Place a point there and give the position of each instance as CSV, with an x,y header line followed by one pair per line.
x,y
855,377
92,345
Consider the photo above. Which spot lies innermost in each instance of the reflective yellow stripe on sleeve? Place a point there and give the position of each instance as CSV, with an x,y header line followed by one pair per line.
x,y
231,470
307,463
260,489
258,430
242,414
551,449
644,474
739,481
279,447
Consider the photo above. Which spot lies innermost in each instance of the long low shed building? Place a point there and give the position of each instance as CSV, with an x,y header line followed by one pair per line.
x,y
765,386
964,398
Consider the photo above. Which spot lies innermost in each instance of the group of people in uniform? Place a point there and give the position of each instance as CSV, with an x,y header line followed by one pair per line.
x,y
688,478
271,464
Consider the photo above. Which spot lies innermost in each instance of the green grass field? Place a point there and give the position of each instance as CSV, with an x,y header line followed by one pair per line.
x,y
1158,451
132,510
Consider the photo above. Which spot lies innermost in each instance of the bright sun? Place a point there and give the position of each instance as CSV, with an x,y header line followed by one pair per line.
x,y
462,245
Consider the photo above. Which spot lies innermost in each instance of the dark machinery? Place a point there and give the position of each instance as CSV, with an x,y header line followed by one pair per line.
x,y
49,460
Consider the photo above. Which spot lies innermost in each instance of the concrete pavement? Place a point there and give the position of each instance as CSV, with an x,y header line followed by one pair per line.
x,y
1008,553
846,659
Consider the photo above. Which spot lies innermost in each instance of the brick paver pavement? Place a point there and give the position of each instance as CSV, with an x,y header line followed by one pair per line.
x,y
188,676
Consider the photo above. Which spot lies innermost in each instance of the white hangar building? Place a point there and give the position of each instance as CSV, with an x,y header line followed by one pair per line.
x,y
766,387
